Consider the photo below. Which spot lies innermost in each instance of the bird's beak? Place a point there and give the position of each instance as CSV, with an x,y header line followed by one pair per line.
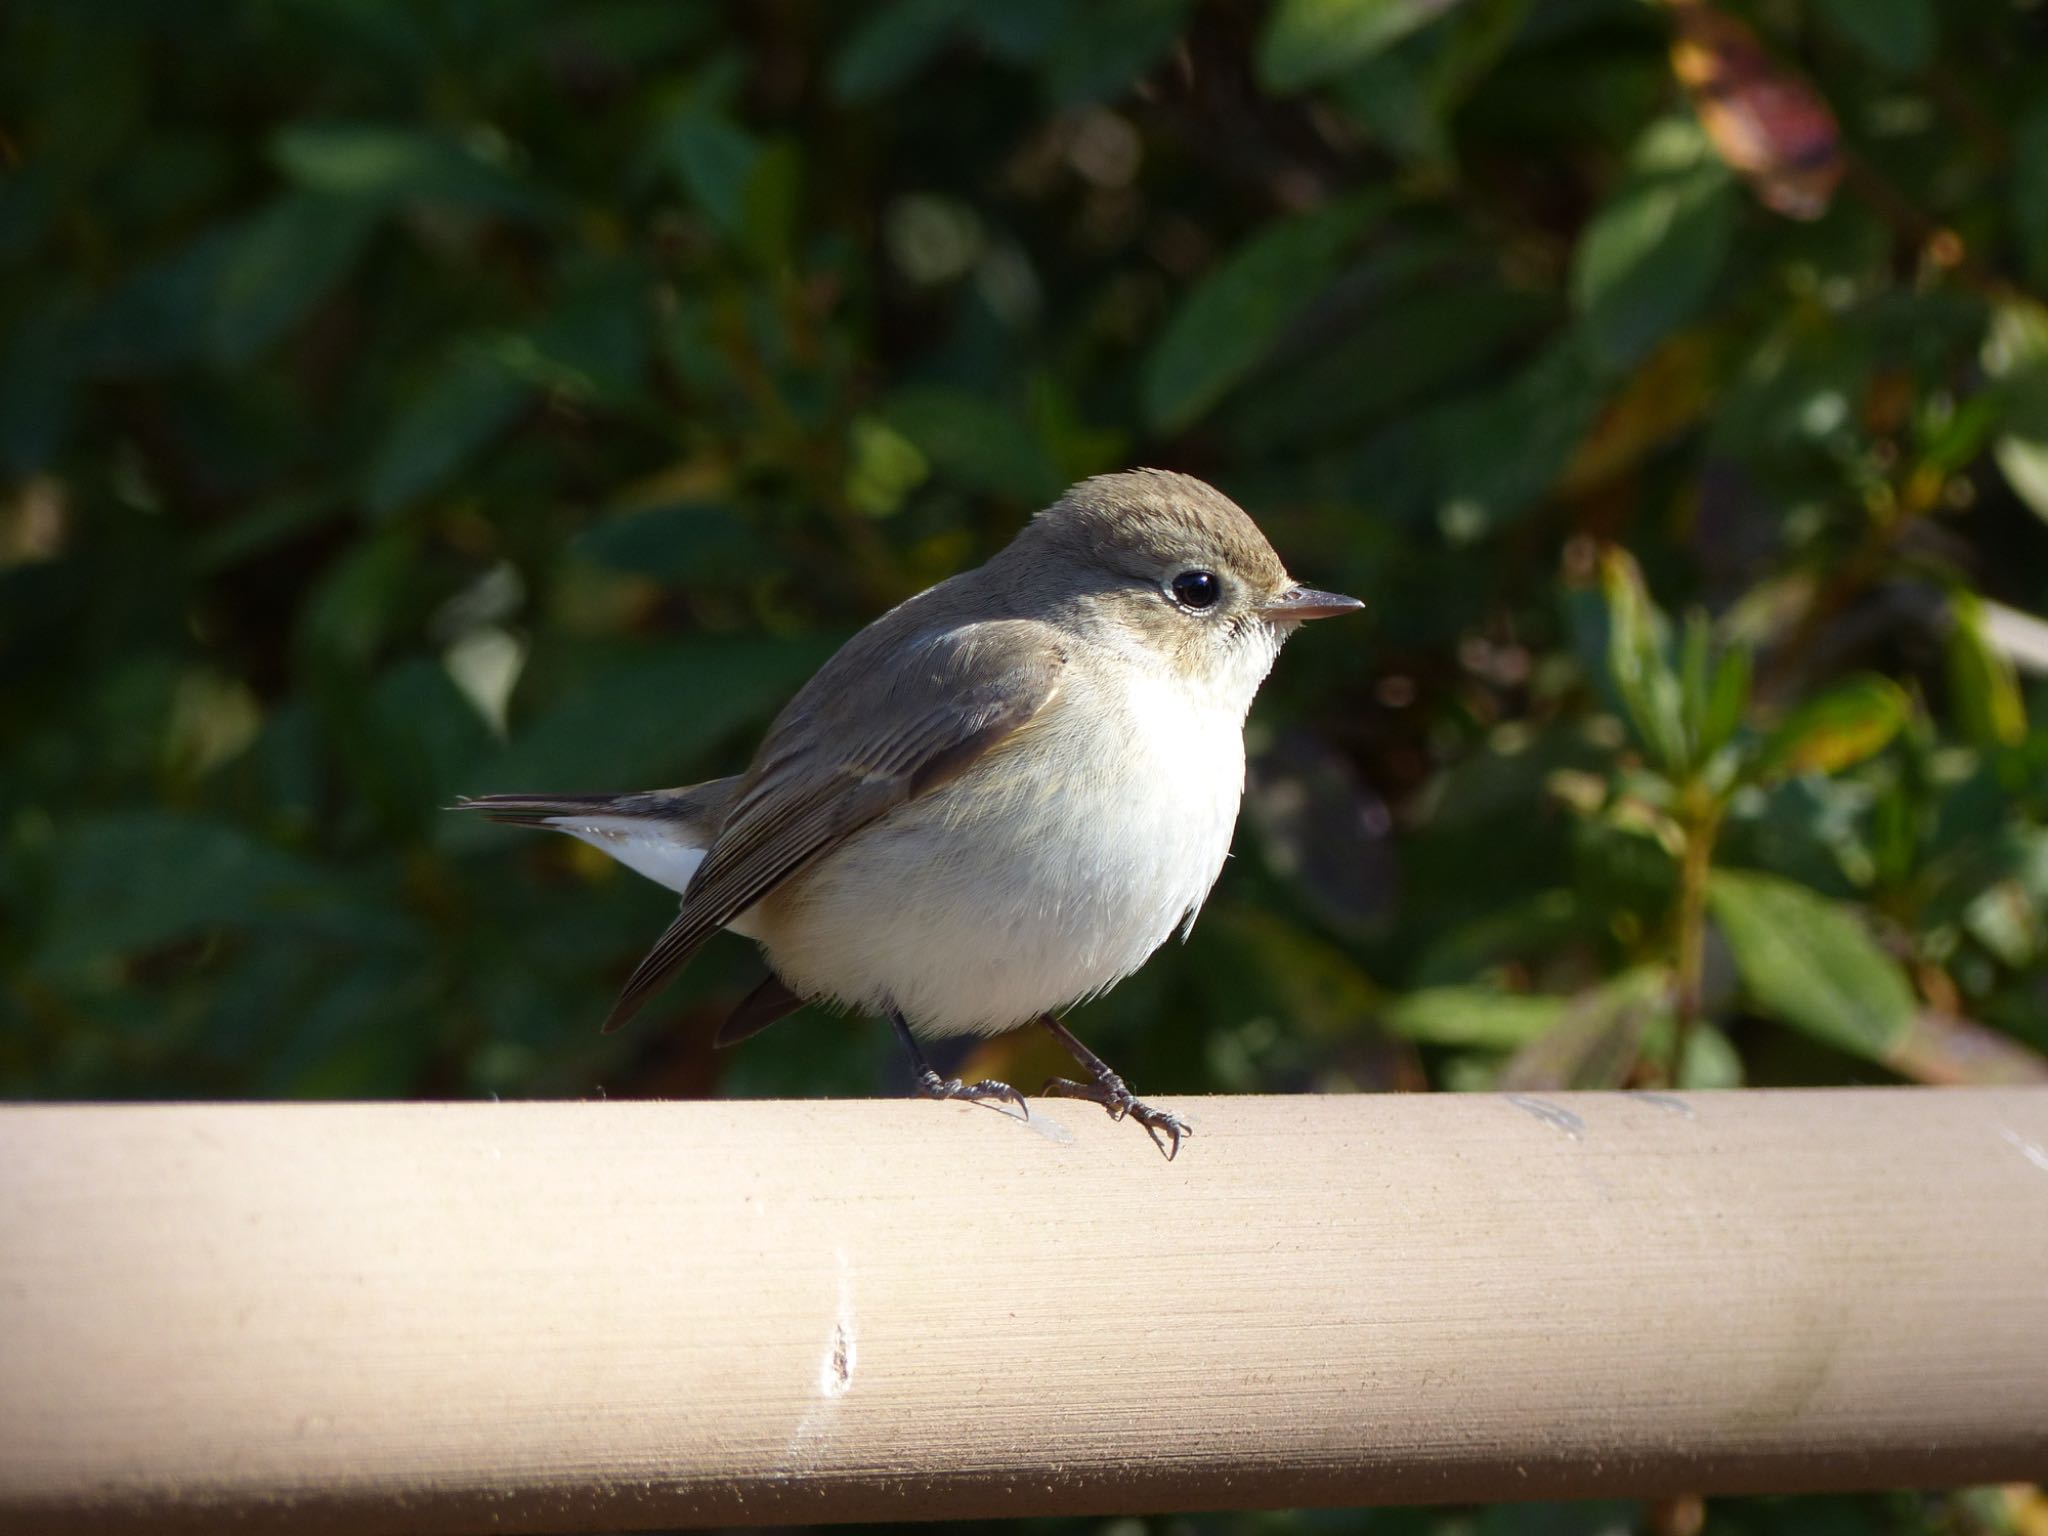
x,y
1297,604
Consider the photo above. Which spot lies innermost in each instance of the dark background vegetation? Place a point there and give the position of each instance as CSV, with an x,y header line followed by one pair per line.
x,y
403,401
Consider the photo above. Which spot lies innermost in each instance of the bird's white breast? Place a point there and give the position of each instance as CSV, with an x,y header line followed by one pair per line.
x,y
1046,873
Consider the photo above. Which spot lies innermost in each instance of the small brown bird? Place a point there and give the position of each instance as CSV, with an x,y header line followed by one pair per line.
x,y
996,800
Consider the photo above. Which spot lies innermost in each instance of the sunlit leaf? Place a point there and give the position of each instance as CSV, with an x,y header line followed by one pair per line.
x,y
1648,258
1659,401
1984,690
1472,1017
1596,1040
1764,119
2016,355
1310,40
1636,663
1234,314
1809,963
1837,730
1949,1051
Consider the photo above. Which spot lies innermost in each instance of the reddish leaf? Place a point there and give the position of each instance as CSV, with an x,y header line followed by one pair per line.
x,y
1765,120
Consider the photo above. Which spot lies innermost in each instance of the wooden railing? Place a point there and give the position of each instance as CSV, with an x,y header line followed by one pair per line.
x,y
531,1317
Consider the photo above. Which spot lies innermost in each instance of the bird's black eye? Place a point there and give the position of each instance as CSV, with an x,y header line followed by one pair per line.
x,y
1196,589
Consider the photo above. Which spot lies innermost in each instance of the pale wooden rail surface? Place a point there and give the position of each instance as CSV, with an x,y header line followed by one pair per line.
x,y
593,1316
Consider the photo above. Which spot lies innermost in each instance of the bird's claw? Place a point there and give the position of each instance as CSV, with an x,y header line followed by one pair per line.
x,y
1166,1129
988,1091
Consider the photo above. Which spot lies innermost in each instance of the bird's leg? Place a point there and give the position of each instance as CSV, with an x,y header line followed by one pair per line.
x,y
932,1086
1107,1089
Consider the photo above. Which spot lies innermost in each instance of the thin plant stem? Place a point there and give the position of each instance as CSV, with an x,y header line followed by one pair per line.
x,y
1702,827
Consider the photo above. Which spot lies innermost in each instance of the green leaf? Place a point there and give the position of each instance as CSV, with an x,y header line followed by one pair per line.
x,y
1809,963
892,44
1898,35
2030,192
976,442
133,881
1102,49
679,542
466,402
382,163
2016,355
1695,668
645,716
1649,693
1649,256
1311,40
1984,690
1727,701
714,158
1498,452
1597,1038
1472,1017
1837,730
1236,312
38,363
278,266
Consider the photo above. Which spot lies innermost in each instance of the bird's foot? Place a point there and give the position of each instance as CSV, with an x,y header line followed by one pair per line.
x,y
1166,1129
931,1086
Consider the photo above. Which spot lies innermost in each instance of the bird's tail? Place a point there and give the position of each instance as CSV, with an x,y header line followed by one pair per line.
x,y
660,833
541,810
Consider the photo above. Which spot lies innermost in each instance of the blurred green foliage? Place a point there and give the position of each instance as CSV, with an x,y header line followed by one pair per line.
x,y
400,401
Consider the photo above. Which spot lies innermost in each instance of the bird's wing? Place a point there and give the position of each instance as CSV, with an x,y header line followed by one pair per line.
x,y
901,730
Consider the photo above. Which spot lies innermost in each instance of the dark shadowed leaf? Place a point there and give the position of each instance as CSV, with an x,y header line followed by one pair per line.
x,y
644,719
1898,34
1310,40
467,401
890,44
1808,962
38,359
1837,730
976,442
388,163
677,543
714,158
280,264
131,881
1647,260
1102,49
2030,192
1497,453
1234,314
